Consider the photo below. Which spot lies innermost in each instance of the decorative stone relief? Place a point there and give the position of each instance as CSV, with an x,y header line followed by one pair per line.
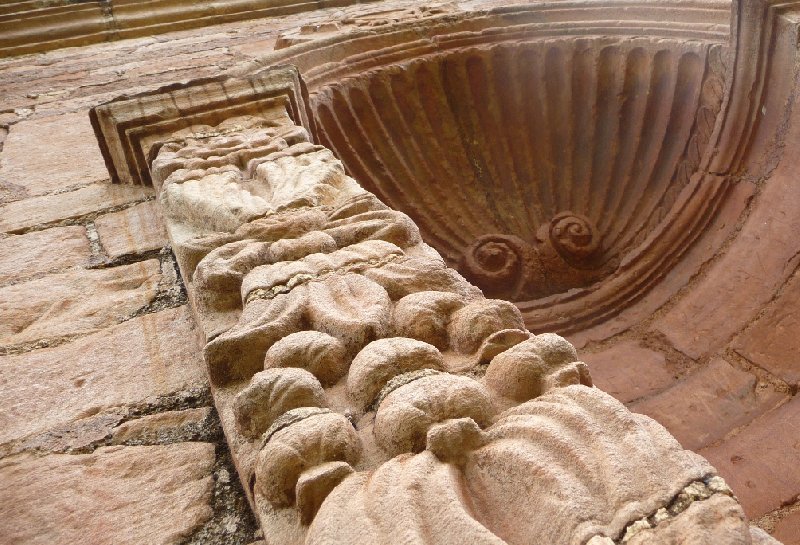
x,y
370,393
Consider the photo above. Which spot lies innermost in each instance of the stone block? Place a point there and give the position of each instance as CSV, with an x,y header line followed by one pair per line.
x,y
75,302
23,256
709,403
743,281
760,462
121,495
46,154
773,342
629,371
18,216
152,427
134,230
131,363
787,530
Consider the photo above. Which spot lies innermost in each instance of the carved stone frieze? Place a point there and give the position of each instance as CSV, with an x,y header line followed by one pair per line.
x,y
368,391
357,357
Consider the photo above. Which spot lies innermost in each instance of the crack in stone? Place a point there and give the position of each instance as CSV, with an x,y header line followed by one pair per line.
x,y
695,491
300,279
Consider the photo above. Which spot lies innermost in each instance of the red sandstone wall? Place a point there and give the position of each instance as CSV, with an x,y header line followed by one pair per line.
x,y
107,431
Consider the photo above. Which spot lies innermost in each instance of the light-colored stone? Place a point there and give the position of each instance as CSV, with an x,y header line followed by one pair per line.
x,y
76,302
152,427
134,230
52,153
79,435
709,403
133,362
116,495
718,519
628,371
566,456
760,537
21,215
23,256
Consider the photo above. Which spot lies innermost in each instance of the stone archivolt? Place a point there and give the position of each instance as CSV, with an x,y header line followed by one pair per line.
x,y
369,393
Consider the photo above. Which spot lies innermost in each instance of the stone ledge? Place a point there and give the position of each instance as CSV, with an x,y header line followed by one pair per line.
x,y
30,27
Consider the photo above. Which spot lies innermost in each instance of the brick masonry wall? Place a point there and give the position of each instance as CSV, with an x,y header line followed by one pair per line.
x,y
104,396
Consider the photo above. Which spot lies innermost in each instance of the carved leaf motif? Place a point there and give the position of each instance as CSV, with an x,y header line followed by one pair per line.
x,y
351,308
564,456
239,352
215,202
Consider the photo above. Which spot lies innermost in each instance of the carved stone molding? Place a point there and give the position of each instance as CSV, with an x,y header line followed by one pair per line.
x,y
368,392
31,26
129,127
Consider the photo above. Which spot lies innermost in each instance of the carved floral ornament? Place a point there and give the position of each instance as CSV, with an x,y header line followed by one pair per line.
x,y
369,392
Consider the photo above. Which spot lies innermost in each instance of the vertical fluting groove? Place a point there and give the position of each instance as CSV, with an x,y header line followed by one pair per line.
x,y
416,175
611,63
334,138
584,104
455,85
412,114
383,142
559,99
490,136
515,136
657,115
637,90
359,141
681,118
477,123
531,70
431,94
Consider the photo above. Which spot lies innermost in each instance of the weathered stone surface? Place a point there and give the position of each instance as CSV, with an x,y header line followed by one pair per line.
x,y
77,302
703,407
628,371
718,519
46,154
773,342
23,256
134,230
758,261
787,529
760,537
116,495
152,428
20,215
77,436
754,461
133,362
529,454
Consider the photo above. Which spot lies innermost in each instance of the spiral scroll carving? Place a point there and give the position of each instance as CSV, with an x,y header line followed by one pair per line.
x,y
496,264
594,139
575,237
566,253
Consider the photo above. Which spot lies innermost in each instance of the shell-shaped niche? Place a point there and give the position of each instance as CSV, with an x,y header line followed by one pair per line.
x,y
533,167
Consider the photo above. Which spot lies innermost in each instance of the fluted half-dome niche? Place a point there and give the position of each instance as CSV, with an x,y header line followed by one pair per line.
x,y
533,167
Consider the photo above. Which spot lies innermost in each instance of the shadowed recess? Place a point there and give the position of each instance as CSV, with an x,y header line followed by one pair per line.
x,y
533,167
